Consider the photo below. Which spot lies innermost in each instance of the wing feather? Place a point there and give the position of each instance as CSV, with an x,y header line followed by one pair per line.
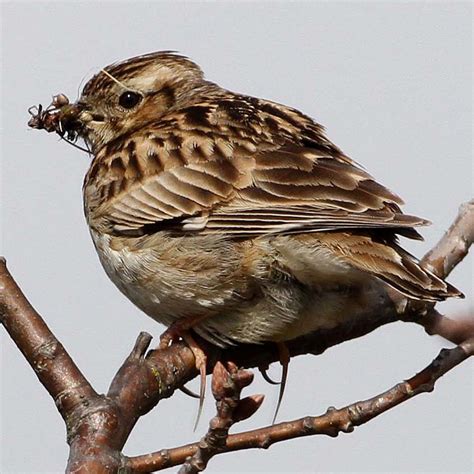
x,y
246,168
237,179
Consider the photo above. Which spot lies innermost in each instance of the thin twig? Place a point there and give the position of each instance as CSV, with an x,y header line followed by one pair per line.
x,y
451,249
51,363
455,243
454,330
331,423
227,384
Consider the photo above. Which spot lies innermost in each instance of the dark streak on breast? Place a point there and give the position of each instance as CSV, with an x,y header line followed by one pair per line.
x,y
92,174
117,164
133,160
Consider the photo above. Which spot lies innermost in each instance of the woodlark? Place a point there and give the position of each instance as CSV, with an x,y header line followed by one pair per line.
x,y
231,215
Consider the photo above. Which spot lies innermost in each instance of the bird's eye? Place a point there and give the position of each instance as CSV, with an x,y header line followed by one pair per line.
x,y
129,99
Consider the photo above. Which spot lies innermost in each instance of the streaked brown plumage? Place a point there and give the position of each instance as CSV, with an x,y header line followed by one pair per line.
x,y
233,210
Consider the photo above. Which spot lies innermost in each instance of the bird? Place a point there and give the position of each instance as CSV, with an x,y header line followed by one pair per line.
x,y
230,216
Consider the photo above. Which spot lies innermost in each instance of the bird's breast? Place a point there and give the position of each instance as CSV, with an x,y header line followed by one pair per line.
x,y
273,289
171,278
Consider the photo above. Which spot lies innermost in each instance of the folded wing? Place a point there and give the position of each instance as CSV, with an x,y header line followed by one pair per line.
x,y
242,183
212,185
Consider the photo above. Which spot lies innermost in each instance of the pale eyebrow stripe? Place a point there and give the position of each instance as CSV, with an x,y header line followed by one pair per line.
x,y
117,81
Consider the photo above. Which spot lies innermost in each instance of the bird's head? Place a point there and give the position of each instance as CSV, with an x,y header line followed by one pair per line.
x,y
124,96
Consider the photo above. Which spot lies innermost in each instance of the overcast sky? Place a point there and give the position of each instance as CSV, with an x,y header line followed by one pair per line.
x,y
392,84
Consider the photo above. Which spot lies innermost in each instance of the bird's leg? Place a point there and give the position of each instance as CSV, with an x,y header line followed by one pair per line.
x,y
284,361
180,329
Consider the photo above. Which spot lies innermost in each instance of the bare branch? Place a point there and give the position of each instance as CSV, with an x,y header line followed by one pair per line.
x,y
451,249
331,423
454,330
227,383
98,426
455,243
52,364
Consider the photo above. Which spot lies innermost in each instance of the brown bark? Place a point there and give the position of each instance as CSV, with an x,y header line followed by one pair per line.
x,y
227,383
331,423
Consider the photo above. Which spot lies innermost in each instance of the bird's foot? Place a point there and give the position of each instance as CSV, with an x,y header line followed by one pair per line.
x,y
264,371
180,329
172,334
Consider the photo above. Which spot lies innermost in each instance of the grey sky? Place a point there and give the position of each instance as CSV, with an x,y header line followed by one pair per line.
x,y
392,84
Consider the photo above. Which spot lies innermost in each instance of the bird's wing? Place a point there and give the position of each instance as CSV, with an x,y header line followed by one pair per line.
x,y
241,180
296,190
198,181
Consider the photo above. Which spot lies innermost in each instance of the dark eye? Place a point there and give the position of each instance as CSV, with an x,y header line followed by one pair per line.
x,y
129,99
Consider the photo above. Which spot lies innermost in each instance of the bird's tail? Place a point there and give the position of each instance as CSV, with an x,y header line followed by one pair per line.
x,y
417,282
389,262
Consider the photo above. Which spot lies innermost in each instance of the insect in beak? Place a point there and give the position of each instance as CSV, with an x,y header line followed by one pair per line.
x,y
61,117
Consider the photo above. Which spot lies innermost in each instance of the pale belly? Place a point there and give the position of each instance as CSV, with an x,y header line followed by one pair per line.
x,y
239,293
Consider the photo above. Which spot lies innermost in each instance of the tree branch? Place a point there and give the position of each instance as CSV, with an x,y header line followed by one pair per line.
x,y
454,330
451,249
454,245
98,426
446,254
331,423
51,363
227,383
